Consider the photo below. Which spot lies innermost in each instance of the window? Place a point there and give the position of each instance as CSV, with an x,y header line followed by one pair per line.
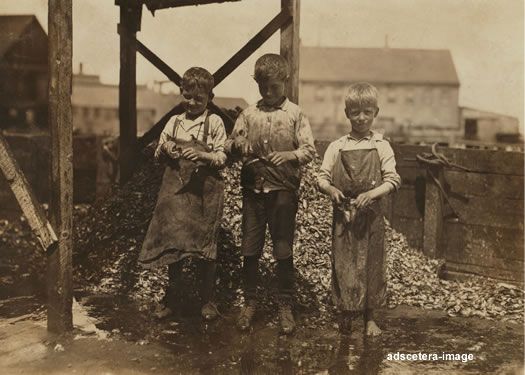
x,y
471,128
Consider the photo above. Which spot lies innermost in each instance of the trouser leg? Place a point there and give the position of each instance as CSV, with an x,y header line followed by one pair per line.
x,y
250,270
282,209
207,271
286,279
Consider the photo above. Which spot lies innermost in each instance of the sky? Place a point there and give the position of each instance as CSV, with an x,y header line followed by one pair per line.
x,y
485,37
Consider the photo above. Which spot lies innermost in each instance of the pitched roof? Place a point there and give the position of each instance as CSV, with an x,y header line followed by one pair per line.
x,y
12,28
377,65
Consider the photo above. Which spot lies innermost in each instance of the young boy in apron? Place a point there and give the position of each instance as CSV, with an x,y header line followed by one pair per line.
x,y
275,140
189,207
358,169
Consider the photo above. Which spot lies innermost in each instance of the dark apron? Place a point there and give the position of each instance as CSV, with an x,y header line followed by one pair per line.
x,y
188,212
358,257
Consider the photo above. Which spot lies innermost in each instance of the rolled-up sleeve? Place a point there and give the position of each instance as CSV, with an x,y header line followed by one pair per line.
x,y
240,128
388,165
305,152
218,139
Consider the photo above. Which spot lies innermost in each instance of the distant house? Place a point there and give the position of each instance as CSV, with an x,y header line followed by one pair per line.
x,y
489,127
95,105
23,73
418,89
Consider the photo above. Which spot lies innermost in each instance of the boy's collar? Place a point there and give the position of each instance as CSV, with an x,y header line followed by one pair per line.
x,y
283,105
200,118
371,135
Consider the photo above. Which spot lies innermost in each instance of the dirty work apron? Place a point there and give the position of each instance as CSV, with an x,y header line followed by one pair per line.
x,y
189,208
358,258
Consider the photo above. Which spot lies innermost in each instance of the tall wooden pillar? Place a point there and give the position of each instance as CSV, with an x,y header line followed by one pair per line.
x,y
59,257
290,45
433,224
129,25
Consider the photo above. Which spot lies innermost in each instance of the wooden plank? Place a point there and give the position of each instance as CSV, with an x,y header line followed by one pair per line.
x,y
490,211
149,55
127,92
433,213
164,4
485,185
280,20
455,270
30,206
481,161
290,47
405,203
59,259
410,176
482,245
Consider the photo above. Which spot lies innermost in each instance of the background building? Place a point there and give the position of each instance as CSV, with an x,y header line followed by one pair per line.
x,y
418,89
23,73
95,105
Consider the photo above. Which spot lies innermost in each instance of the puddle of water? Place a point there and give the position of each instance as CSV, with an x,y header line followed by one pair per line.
x,y
219,348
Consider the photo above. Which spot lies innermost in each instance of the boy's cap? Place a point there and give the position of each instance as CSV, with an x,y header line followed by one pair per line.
x,y
270,66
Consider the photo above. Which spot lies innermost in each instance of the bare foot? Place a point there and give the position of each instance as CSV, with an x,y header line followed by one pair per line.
x,y
372,329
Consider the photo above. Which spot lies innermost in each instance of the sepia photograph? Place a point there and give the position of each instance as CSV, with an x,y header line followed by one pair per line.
x,y
262,187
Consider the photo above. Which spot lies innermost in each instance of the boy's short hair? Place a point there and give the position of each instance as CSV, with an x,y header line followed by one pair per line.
x,y
197,78
361,94
270,66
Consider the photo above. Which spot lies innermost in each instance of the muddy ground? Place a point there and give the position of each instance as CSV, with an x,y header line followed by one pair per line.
x,y
116,334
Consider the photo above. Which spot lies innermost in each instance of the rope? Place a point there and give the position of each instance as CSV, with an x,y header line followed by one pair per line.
x,y
436,158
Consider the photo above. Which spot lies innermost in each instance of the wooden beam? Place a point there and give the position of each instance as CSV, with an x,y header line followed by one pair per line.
x,y
30,206
149,55
283,19
59,258
127,91
290,44
433,219
163,4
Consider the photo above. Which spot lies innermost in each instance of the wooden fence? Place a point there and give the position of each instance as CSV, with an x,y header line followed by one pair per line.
x,y
487,238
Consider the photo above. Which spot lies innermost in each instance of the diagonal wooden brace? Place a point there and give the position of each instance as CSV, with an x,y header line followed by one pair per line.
x,y
26,199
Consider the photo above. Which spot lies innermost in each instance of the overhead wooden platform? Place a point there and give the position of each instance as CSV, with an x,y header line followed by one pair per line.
x,y
154,5
287,21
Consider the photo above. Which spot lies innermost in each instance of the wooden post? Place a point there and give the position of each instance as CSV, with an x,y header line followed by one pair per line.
x,y
433,221
30,206
290,47
128,27
59,258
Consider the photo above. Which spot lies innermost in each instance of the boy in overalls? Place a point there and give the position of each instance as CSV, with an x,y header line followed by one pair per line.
x,y
358,169
274,139
189,207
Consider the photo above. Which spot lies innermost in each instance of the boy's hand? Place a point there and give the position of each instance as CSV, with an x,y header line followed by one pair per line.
x,y
194,155
280,157
335,194
242,145
158,152
364,199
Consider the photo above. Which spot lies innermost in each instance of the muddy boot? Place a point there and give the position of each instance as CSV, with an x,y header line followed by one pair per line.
x,y
245,319
286,318
171,299
210,311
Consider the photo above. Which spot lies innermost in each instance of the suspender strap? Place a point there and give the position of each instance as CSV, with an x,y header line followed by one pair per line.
x,y
206,129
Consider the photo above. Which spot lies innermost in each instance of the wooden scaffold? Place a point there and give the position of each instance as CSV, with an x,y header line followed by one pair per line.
x,y
56,235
